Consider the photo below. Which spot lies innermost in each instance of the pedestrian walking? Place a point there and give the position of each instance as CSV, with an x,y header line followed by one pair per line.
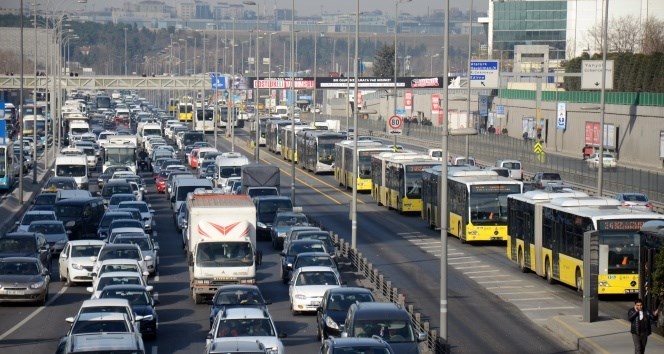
x,y
640,328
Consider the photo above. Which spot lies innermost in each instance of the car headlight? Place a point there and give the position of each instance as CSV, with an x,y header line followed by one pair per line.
x,y
37,285
261,225
329,322
300,296
271,350
77,266
281,234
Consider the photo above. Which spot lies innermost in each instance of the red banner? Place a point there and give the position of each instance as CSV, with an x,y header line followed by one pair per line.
x,y
592,133
359,98
408,100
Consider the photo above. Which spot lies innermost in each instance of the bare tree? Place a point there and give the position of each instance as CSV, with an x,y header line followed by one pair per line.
x,y
625,34
653,36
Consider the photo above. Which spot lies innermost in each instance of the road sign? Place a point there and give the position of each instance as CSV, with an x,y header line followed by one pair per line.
x,y
394,125
218,81
484,74
537,148
591,75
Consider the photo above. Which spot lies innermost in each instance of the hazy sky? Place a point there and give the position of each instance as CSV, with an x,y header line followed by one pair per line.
x,y
314,7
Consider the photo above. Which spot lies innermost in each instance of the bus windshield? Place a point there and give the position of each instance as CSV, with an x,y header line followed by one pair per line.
x,y
623,251
204,115
3,161
326,153
229,171
488,202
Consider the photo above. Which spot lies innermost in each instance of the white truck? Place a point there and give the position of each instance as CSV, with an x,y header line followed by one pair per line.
x,y
221,242
229,164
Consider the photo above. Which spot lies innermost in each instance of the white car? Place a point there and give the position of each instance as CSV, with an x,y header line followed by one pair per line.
x,y
75,263
116,278
120,265
120,251
608,158
148,248
308,285
33,215
109,305
246,324
146,212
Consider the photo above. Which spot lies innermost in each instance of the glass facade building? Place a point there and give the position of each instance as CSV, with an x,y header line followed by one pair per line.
x,y
531,23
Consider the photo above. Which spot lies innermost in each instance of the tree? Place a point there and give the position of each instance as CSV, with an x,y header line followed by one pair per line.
x,y
653,36
658,276
384,62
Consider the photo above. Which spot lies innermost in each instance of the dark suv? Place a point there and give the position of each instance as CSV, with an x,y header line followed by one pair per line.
x,y
266,209
26,244
356,345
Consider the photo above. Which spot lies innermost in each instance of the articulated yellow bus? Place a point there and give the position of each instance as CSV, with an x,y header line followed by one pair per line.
x,y
173,104
343,162
476,202
185,109
288,140
397,179
546,237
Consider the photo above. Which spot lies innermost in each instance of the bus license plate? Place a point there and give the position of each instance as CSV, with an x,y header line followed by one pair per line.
x,y
631,291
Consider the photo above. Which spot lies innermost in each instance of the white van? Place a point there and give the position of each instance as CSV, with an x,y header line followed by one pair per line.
x,y
73,166
514,166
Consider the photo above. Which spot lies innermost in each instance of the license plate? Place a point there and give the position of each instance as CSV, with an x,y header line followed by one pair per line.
x,y
631,291
315,303
15,292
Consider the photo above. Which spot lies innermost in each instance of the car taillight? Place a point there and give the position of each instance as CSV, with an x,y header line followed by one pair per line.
x,y
625,204
649,205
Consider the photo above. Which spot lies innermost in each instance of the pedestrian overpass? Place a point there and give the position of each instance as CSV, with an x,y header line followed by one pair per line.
x,y
102,82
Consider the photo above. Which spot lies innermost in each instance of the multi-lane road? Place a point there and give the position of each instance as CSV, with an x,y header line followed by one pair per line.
x,y
492,307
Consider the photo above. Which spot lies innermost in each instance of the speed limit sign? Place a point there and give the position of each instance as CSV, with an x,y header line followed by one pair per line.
x,y
394,125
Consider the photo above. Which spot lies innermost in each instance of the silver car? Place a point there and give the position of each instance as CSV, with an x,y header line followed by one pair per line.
x,y
54,231
23,279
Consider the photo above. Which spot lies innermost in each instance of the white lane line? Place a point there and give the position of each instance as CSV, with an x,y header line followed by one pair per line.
x,y
497,281
463,257
154,349
482,271
488,276
156,277
532,299
548,308
466,262
521,292
33,314
435,247
473,267
455,254
505,287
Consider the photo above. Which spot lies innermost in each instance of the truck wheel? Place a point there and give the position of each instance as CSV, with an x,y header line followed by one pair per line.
x,y
198,299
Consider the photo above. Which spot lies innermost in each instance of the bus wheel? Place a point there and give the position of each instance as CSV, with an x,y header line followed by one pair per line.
x,y
579,280
547,272
462,235
432,223
522,262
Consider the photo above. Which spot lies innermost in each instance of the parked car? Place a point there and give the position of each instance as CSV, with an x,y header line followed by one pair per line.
x,y
635,200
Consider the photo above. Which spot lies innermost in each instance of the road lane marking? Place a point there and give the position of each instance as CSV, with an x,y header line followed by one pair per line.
x,y
532,299
482,271
522,292
466,262
488,276
33,314
549,308
473,267
497,281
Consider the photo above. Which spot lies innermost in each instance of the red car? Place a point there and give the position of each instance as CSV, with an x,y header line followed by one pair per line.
x,y
160,181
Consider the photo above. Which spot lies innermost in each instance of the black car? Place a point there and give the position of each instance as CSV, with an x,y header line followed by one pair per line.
x,y
141,302
331,313
55,183
26,244
266,209
228,296
44,201
81,216
293,249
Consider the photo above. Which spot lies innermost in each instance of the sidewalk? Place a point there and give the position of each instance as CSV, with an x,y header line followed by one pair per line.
x,y
607,335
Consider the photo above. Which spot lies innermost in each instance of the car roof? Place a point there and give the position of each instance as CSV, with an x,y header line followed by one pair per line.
x,y
102,316
76,201
244,312
87,243
316,269
46,222
354,341
380,310
40,212
20,234
18,259
133,287
105,302
119,246
120,274
119,261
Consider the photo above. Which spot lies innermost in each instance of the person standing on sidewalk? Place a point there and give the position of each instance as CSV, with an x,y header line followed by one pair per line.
x,y
640,319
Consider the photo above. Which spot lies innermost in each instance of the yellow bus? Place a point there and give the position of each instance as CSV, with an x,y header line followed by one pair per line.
x,y
289,141
343,162
476,202
546,237
380,190
173,104
185,112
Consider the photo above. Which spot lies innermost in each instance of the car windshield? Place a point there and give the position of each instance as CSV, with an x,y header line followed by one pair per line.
x,y
291,220
85,251
316,278
142,207
71,170
125,223
551,176
121,280
393,331
47,229
342,302
245,327
11,245
119,268
635,198
45,199
119,254
29,218
19,268
142,242
300,247
108,219
117,199
60,184
306,261
109,190
106,326
68,211
135,297
238,297
323,237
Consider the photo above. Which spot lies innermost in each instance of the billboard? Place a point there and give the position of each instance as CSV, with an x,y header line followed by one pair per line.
x,y
593,131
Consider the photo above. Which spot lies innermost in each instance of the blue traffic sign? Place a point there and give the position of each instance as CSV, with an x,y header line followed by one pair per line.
x,y
219,81
484,65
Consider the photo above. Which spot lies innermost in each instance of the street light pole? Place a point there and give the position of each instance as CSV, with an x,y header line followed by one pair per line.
x,y
355,138
396,27
22,112
315,62
443,176
600,167
257,133
470,56
34,107
431,63
125,51
292,97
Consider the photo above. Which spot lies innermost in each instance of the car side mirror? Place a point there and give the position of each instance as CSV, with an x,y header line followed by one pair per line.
x,y
69,320
149,288
209,336
283,335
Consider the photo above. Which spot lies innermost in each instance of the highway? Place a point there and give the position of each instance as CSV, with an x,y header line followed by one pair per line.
x,y
490,301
